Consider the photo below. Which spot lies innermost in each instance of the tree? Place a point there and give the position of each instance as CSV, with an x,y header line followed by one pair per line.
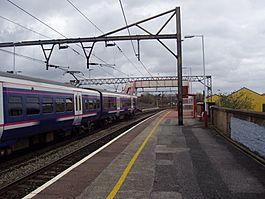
x,y
146,100
236,101
199,97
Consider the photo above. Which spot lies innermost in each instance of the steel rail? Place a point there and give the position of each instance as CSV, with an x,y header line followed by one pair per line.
x,y
12,186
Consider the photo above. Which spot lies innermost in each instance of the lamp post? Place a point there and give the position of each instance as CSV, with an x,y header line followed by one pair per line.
x,y
203,64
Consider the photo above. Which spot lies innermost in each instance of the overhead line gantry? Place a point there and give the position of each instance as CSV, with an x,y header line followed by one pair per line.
x,y
124,80
109,37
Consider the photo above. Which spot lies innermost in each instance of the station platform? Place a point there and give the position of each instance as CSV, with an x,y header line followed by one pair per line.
x,y
159,159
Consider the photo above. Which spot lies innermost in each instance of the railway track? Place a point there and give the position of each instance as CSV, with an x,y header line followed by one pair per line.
x,y
31,177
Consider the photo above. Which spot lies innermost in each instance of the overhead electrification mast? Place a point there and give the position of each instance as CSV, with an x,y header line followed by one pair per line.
x,y
88,44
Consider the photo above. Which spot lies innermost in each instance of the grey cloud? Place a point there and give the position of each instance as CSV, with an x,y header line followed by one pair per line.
x,y
234,34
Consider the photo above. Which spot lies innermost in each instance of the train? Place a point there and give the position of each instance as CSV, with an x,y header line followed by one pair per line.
x,y
34,110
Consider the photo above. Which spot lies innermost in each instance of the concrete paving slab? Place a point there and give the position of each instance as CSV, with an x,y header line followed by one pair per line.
x,y
168,195
178,162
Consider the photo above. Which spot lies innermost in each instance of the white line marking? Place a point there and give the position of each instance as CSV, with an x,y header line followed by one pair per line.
x,y
73,117
15,126
114,111
89,114
47,184
65,118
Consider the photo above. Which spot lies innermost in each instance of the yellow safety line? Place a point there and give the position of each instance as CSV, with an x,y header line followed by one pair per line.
x,y
131,163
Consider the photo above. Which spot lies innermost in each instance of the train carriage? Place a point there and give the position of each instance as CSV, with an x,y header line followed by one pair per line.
x,y
117,105
1,112
31,106
110,106
91,108
34,111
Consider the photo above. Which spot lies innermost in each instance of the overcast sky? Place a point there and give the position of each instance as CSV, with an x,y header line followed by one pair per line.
x,y
234,35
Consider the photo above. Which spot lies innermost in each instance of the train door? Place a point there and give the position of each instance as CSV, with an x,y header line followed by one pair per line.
x,y
1,110
78,108
132,102
118,103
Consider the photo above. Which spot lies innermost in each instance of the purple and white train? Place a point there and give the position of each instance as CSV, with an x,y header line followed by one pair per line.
x,y
34,110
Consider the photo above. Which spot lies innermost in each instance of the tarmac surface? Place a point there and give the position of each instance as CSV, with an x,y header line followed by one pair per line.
x,y
176,162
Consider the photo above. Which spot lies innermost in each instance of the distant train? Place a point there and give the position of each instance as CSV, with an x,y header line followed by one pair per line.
x,y
33,111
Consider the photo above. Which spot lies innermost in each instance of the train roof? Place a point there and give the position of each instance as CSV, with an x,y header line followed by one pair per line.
x,y
33,79
22,77
16,77
112,93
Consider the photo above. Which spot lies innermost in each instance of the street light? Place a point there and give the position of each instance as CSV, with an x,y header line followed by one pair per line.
x,y
203,64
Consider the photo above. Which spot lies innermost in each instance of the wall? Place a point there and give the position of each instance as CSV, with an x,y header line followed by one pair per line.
x,y
246,128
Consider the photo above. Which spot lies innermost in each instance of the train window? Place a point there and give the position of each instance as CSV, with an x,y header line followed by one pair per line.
x,y
32,105
105,102
91,104
112,102
94,103
15,106
79,102
69,104
98,103
86,104
59,105
47,105
134,102
126,102
76,103
109,103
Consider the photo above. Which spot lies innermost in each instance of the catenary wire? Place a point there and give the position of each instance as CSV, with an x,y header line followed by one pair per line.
x,y
24,27
24,56
19,7
38,60
85,16
124,16
119,48
123,13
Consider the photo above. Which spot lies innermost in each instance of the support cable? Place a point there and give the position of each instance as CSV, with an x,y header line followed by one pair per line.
x,y
123,13
107,72
19,7
23,56
129,60
25,27
43,62
107,64
36,18
35,60
118,47
124,16
28,57
85,16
